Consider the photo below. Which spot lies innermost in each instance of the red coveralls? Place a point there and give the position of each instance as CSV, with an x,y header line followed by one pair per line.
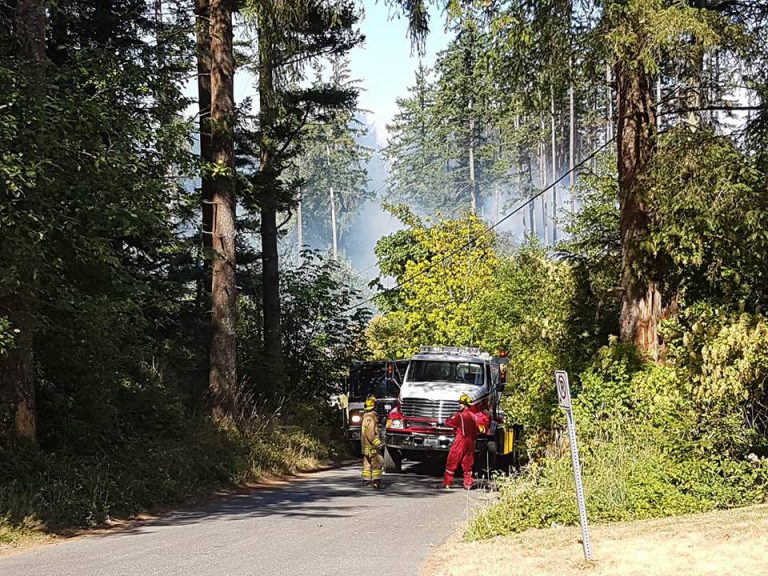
x,y
463,447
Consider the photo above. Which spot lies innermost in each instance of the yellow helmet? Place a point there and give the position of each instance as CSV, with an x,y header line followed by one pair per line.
x,y
465,399
370,403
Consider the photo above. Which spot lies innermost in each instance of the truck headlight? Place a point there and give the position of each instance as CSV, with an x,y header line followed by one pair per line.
x,y
396,423
355,418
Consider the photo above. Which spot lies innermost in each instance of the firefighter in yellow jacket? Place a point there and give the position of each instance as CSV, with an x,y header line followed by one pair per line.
x,y
370,442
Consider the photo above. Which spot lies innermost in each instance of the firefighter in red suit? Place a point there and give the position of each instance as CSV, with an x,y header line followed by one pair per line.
x,y
463,447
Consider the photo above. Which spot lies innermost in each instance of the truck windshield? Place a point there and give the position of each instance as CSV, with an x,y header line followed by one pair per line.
x,y
445,371
364,380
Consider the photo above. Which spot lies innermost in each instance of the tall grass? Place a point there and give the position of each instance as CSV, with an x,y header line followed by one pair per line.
x,y
52,491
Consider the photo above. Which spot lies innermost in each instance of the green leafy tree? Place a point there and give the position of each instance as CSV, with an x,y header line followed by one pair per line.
x,y
461,114
639,41
434,302
707,202
442,143
320,336
89,203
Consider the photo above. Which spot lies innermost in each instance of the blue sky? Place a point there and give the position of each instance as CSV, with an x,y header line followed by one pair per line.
x,y
384,64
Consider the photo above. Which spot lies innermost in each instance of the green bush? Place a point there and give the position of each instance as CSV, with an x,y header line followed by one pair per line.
x,y
725,358
627,477
646,444
530,398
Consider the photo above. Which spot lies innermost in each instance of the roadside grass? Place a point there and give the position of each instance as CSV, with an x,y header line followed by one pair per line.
x,y
720,543
45,493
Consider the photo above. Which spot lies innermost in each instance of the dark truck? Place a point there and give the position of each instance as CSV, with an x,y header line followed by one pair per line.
x,y
380,378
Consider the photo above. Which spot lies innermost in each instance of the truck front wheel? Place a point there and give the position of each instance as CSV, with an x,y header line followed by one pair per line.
x,y
393,460
488,457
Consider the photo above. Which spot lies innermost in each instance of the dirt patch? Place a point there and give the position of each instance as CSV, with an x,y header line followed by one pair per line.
x,y
722,543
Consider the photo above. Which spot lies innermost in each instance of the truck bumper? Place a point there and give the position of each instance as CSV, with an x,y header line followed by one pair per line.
x,y
427,442
419,441
353,434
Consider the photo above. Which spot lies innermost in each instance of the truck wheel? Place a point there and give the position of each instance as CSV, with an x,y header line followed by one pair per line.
x,y
393,461
489,460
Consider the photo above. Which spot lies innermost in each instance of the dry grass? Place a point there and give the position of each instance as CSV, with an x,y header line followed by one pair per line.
x,y
722,543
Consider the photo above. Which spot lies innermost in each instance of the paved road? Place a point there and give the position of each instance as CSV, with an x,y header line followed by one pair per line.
x,y
325,524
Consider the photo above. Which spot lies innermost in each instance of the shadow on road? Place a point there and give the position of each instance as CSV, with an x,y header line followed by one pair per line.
x,y
331,494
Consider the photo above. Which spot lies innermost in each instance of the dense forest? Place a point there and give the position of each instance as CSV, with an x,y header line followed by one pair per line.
x,y
580,183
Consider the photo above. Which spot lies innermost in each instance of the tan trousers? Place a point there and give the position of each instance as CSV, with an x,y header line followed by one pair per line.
x,y
372,465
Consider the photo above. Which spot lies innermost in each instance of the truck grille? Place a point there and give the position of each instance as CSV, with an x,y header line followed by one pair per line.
x,y
382,411
420,408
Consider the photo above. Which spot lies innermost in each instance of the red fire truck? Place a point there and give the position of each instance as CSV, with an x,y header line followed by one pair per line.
x,y
435,379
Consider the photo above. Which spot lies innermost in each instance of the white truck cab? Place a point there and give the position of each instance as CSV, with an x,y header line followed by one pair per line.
x,y
435,379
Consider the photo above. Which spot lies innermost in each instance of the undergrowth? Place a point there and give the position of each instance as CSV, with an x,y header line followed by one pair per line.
x,y
42,491
625,478
654,440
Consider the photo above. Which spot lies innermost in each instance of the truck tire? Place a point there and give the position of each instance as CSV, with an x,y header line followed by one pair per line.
x,y
393,460
490,456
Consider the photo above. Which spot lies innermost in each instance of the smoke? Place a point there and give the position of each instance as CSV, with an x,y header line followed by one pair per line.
x,y
372,224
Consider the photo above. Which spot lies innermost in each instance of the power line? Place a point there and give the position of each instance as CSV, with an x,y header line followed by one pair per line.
x,y
471,241
576,167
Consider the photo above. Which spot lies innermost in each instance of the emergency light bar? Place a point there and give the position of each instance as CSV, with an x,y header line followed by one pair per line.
x,y
463,350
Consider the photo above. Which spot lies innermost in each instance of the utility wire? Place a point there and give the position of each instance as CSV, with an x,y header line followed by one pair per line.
x,y
471,241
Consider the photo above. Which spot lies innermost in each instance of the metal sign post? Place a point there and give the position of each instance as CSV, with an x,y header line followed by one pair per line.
x,y
564,399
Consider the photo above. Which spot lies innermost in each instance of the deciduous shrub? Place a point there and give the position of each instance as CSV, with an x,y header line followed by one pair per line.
x,y
647,445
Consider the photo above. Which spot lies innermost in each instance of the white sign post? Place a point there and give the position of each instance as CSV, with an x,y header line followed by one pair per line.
x,y
564,399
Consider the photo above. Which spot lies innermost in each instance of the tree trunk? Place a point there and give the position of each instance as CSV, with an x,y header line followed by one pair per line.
x,y
299,229
543,178
17,383
223,374
642,306
532,202
270,271
205,256
202,13
30,23
335,247
572,147
609,94
553,129
472,183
